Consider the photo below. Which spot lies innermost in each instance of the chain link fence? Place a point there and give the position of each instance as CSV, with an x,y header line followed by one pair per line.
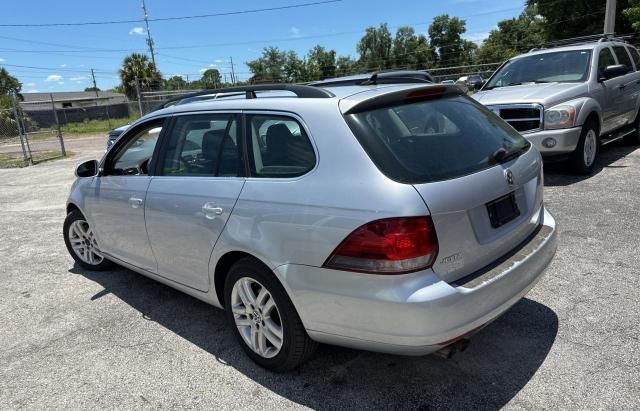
x,y
33,131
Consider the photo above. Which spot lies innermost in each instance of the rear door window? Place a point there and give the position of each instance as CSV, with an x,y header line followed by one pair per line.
x,y
623,56
435,140
635,56
278,147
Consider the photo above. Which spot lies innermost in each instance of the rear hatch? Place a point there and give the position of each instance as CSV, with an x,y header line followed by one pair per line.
x,y
481,181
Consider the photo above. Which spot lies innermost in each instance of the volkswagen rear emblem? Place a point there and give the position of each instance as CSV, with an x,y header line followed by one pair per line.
x,y
508,174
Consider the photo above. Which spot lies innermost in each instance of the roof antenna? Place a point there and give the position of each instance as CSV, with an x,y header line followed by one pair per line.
x,y
372,80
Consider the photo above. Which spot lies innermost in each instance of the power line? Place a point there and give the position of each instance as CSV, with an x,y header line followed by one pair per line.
x,y
200,16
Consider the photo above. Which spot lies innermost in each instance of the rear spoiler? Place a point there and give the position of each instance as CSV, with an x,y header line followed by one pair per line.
x,y
406,96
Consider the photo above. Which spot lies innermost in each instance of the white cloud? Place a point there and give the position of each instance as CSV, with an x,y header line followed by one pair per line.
x,y
77,78
202,70
295,32
32,84
32,91
219,61
61,82
1,59
79,82
54,77
138,31
63,65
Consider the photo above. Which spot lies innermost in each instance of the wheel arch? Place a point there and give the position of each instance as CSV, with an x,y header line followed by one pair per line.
x,y
224,264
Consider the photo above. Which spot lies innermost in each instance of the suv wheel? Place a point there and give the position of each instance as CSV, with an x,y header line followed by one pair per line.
x,y
81,243
264,319
633,139
584,158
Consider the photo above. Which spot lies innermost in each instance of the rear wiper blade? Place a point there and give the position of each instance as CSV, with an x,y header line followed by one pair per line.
x,y
501,155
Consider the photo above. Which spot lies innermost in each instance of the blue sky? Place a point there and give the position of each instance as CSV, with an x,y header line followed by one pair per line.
x,y
60,58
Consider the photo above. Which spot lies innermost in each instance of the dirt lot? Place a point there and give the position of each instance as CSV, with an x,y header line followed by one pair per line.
x,y
78,339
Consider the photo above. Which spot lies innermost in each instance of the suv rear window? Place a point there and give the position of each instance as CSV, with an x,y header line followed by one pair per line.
x,y
435,140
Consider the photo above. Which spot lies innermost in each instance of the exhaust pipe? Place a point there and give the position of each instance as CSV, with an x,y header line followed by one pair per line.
x,y
451,349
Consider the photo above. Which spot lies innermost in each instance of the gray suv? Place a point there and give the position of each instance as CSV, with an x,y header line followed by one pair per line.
x,y
399,218
571,99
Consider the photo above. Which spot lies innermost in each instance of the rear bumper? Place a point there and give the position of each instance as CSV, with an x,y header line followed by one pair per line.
x,y
566,140
413,314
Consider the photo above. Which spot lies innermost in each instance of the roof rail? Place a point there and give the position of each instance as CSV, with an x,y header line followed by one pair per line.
x,y
378,77
585,39
301,91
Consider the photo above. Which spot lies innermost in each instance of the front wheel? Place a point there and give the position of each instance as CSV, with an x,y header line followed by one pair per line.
x,y
264,319
82,244
583,159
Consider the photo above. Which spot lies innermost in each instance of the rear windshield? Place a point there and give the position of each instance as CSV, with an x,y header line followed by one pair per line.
x,y
435,140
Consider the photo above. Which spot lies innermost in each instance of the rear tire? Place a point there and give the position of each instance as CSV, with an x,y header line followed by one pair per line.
x,y
585,156
259,310
633,139
82,244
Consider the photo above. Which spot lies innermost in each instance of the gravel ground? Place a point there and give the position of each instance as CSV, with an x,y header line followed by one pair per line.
x,y
78,339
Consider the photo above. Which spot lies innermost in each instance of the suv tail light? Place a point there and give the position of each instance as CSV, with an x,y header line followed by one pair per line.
x,y
388,246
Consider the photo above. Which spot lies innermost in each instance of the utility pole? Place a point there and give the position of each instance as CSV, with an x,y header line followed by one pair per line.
x,y
610,17
233,73
95,86
149,39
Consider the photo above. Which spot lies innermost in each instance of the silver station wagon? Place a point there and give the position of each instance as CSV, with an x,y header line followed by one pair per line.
x,y
398,218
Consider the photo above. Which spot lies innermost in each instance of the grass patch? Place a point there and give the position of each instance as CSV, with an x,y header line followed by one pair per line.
x,y
16,160
95,126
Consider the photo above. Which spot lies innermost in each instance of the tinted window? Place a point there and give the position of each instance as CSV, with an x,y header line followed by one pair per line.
x,y
635,56
623,57
203,145
561,66
605,58
134,158
435,140
279,147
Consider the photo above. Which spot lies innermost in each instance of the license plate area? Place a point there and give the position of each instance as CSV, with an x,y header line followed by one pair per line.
x,y
502,210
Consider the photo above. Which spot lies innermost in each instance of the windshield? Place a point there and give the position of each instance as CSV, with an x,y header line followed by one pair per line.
x,y
560,66
435,140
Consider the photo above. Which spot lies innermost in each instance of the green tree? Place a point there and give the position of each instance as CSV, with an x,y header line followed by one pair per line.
x,y
411,51
269,66
91,89
632,13
8,83
446,37
295,69
566,19
346,65
375,48
175,83
211,78
512,37
139,66
321,63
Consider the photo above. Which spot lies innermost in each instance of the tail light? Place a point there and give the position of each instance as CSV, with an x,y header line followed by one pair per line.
x,y
389,246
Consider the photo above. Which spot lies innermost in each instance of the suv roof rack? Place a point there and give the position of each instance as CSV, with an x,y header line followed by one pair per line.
x,y
378,77
585,39
300,90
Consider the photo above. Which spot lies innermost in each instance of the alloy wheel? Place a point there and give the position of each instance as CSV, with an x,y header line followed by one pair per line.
x,y
257,317
83,242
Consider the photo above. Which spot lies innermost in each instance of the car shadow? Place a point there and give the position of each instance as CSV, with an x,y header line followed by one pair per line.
x,y
558,174
499,362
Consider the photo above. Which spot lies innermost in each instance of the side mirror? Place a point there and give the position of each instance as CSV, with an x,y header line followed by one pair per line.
x,y
88,169
615,70
478,84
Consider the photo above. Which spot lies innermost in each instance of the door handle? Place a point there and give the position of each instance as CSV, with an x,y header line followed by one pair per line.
x,y
211,210
136,202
